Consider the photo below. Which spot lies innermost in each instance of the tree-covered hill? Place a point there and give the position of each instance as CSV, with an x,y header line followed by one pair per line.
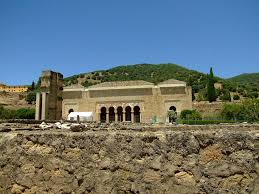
x,y
148,72
246,85
246,78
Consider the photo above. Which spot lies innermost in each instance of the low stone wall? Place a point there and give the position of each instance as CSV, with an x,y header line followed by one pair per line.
x,y
208,109
176,160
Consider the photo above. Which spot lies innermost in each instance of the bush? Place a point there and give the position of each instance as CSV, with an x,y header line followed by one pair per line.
x,y
31,97
24,113
240,90
74,81
202,95
248,110
86,84
225,96
172,115
190,114
232,111
205,122
236,97
6,113
252,95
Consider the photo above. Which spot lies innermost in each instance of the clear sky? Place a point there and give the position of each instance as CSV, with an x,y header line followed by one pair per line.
x,y
76,36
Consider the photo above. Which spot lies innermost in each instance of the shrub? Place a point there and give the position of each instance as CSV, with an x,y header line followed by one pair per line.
x,y
74,81
248,110
240,90
24,113
254,89
232,111
196,88
172,115
31,97
190,114
225,96
205,122
252,95
86,84
202,95
6,113
236,97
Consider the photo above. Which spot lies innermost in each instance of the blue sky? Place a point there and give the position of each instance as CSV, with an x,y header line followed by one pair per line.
x,y
75,36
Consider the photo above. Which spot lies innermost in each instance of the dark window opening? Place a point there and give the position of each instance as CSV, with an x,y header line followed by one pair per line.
x,y
103,115
128,113
136,114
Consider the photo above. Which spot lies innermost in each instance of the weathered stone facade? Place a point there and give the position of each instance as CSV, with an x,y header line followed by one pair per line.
x,y
141,159
49,100
120,101
130,101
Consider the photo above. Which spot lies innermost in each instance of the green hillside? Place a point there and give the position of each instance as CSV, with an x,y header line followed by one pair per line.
x,y
246,85
246,78
148,72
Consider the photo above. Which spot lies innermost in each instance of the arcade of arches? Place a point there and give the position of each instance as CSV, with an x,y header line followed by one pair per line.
x,y
128,114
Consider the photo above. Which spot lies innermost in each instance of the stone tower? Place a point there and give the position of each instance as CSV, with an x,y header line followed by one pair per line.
x,y
49,99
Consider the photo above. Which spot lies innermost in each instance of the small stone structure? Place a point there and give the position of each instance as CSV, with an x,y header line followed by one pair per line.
x,y
49,99
218,86
118,101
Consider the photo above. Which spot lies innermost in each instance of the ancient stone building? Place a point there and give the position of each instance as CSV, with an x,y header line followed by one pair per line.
x,y
49,99
15,89
119,101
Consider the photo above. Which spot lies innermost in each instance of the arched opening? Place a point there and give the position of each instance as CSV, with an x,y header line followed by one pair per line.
x,y
103,115
128,113
111,114
70,110
120,114
136,114
172,108
172,114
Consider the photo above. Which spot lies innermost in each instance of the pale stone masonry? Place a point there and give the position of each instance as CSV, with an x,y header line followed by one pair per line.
x,y
49,99
119,101
14,89
144,159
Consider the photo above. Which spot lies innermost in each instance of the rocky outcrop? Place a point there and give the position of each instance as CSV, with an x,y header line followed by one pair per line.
x,y
162,160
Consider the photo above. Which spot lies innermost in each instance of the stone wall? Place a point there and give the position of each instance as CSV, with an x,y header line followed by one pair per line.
x,y
212,109
131,159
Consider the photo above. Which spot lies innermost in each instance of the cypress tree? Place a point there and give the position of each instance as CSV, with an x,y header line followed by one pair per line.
x,y
33,85
210,87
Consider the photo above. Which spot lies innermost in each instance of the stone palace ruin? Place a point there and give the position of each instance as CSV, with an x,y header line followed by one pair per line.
x,y
118,101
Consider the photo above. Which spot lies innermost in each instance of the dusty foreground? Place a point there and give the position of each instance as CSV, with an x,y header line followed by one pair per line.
x,y
129,159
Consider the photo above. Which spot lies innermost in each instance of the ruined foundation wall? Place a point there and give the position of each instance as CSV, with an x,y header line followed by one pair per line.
x,y
170,160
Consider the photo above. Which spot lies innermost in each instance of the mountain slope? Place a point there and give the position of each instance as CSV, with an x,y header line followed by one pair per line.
x,y
246,78
147,72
